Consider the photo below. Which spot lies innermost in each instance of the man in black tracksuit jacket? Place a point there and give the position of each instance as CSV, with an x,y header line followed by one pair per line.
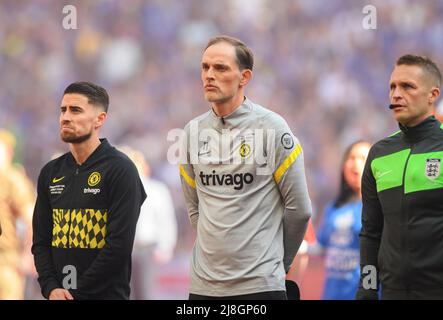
x,y
402,192
87,207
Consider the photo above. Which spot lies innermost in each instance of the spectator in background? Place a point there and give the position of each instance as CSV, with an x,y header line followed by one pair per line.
x,y
338,235
16,202
156,232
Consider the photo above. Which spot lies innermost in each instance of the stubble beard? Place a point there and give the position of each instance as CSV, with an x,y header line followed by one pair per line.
x,y
218,99
76,139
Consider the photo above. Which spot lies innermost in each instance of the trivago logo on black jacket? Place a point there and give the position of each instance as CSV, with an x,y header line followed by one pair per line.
x,y
402,196
85,217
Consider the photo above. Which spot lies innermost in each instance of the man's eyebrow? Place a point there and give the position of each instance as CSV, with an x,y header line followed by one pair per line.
x,y
70,106
407,82
221,64
218,63
401,82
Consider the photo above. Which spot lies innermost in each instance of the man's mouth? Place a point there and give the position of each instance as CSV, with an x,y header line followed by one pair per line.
x,y
210,87
396,106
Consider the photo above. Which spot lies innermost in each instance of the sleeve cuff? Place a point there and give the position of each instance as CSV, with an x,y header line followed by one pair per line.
x,y
363,294
46,290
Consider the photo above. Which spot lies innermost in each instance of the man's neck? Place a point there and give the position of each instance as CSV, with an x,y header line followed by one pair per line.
x,y
416,122
82,151
225,108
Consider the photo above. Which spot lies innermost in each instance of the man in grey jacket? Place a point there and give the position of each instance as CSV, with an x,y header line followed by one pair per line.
x,y
244,184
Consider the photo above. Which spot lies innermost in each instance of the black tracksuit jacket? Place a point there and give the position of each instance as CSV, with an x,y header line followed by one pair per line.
x,y
85,217
402,218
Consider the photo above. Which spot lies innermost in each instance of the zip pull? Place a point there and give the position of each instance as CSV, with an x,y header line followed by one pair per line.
x,y
76,171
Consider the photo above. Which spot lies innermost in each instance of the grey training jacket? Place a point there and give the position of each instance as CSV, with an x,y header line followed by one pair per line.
x,y
245,188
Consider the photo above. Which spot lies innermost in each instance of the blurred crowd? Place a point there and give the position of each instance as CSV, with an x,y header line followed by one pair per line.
x,y
315,64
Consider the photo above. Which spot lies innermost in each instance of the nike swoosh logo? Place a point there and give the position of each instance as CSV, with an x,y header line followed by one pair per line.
x,y
55,180
378,176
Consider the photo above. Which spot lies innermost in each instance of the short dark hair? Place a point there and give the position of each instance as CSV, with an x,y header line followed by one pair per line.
x,y
244,55
96,95
425,63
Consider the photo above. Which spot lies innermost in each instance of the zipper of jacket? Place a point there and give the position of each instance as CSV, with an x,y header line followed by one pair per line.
x,y
405,216
72,201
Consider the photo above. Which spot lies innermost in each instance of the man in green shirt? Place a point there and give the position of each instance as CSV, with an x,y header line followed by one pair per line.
x,y
402,221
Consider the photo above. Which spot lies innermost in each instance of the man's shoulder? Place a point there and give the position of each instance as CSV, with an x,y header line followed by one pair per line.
x,y
439,132
268,117
199,119
258,109
390,144
117,158
55,162
390,139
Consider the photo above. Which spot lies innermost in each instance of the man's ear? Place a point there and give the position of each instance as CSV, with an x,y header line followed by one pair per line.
x,y
246,75
433,95
101,118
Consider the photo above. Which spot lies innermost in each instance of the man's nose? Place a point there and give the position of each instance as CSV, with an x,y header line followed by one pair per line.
x,y
65,117
210,74
396,93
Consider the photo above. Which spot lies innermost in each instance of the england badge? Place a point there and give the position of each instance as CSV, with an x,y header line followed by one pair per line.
x,y
432,170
